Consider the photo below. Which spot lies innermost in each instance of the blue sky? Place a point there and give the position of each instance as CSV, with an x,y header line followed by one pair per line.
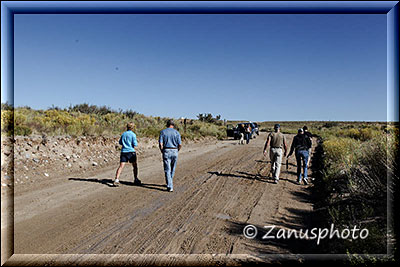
x,y
243,67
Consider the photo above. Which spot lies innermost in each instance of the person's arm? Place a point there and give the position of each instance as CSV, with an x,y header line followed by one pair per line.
x,y
160,143
310,139
120,140
284,145
179,142
266,145
309,142
134,141
292,147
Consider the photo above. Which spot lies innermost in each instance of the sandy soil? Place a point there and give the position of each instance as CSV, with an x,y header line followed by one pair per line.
x,y
219,188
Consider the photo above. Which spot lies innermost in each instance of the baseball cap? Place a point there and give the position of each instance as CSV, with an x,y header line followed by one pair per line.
x,y
276,126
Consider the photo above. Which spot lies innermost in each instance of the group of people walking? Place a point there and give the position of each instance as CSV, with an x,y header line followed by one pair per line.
x,y
301,146
245,132
170,143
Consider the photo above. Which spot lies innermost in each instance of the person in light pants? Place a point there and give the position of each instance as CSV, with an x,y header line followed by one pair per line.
x,y
277,141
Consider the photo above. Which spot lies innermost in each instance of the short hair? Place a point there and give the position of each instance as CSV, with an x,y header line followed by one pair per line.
x,y
170,122
300,130
130,126
277,126
305,128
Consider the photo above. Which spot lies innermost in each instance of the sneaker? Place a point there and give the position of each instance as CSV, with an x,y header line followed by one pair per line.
x,y
276,181
116,182
169,189
137,182
306,181
298,181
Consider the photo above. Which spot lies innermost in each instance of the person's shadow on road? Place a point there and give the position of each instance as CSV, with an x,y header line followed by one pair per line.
x,y
109,183
244,175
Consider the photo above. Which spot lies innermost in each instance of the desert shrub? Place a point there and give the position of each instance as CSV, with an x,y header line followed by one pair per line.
x,y
90,109
7,106
149,132
22,130
85,119
7,121
330,124
130,114
353,185
363,134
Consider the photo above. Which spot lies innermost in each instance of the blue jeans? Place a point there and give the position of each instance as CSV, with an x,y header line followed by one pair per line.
x,y
247,137
302,158
170,158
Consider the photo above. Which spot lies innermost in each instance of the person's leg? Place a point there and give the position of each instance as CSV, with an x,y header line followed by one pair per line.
x,y
272,158
247,138
174,161
135,170
167,168
133,160
119,170
309,157
298,161
136,180
305,165
278,163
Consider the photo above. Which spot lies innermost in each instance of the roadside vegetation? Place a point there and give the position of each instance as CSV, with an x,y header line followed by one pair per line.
x,y
92,120
355,171
352,167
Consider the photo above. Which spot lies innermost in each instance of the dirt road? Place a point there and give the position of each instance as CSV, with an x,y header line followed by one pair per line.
x,y
219,188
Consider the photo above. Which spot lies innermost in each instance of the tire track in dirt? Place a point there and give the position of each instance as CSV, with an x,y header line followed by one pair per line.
x,y
147,228
214,188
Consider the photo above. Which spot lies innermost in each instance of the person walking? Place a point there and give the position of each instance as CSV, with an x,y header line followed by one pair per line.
x,y
277,141
128,154
170,143
309,136
248,133
253,129
242,132
301,145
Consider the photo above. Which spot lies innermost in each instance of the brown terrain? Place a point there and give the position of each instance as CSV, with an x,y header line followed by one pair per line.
x,y
67,211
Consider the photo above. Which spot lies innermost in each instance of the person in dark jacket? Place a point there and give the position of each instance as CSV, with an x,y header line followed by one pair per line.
x,y
301,144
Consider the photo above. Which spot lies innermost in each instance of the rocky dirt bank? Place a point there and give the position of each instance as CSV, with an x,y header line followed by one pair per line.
x,y
41,157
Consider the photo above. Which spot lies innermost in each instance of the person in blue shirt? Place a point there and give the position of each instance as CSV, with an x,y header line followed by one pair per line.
x,y
169,143
128,154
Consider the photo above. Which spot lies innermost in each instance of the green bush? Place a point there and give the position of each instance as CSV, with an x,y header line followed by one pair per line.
x,y
22,130
87,120
353,185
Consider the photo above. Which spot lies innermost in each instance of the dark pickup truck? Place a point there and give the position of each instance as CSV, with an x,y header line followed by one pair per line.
x,y
233,131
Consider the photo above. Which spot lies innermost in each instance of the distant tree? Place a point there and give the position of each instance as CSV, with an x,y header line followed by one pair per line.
x,y
130,113
208,117
54,108
6,106
200,117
